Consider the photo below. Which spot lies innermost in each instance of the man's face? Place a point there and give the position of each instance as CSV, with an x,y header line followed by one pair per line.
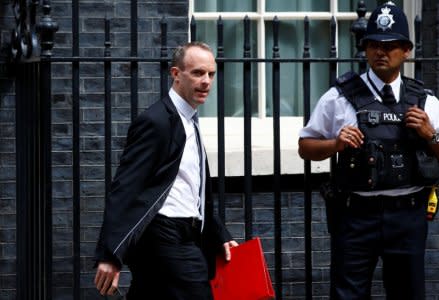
x,y
385,58
193,81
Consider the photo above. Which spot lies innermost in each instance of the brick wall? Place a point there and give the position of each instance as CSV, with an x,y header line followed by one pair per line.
x,y
92,157
7,162
430,32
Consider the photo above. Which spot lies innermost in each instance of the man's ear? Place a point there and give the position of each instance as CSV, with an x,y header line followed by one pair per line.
x,y
407,52
174,72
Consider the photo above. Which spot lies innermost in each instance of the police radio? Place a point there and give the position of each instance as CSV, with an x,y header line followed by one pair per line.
x,y
432,203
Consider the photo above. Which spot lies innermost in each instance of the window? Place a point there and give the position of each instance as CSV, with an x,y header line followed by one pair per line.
x,y
291,15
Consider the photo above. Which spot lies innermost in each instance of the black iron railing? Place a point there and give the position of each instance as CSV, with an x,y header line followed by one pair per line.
x,y
34,132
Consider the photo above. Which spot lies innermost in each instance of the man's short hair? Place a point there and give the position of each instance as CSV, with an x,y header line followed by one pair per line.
x,y
180,52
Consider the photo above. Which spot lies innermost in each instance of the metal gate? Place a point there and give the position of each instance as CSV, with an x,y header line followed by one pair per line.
x,y
32,45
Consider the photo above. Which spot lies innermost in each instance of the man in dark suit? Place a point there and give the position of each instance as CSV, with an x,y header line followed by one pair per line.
x,y
158,217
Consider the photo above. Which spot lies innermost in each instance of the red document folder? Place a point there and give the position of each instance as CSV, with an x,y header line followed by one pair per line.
x,y
245,277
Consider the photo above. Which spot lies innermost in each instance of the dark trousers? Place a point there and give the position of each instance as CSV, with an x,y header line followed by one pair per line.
x,y
168,263
369,228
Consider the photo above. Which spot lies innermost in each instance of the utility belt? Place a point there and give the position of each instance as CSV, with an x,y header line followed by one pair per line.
x,y
337,200
379,203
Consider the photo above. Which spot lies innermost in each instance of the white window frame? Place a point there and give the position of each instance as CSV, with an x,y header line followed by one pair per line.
x,y
262,135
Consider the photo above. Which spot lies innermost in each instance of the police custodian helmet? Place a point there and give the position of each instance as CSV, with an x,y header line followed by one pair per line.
x,y
387,23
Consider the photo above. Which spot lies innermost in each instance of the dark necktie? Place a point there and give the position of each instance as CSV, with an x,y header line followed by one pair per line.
x,y
387,95
201,156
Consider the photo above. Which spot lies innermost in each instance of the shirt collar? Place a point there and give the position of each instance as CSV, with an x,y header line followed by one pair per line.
x,y
182,106
395,84
379,83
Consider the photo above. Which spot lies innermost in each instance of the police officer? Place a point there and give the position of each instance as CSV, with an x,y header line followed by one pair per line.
x,y
380,125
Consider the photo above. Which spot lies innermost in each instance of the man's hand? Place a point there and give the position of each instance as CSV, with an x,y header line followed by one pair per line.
x,y
349,136
417,119
320,149
107,278
227,246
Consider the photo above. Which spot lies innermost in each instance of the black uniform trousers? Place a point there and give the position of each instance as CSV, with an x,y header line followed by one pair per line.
x,y
168,263
368,228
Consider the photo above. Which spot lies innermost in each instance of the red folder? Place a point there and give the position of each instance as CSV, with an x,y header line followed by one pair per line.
x,y
245,276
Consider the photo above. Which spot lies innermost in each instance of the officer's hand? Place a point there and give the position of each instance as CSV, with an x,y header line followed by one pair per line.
x,y
417,119
107,278
349,136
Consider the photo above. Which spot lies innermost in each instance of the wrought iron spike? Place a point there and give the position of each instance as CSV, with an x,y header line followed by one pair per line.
x,y
46,29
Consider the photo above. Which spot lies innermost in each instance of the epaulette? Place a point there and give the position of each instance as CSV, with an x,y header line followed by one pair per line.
x,y
413,85
412,80
429,92
346,77
417,83
350,85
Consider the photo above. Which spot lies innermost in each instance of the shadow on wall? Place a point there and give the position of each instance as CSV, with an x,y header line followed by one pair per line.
x,y
5,30
6,68
7,76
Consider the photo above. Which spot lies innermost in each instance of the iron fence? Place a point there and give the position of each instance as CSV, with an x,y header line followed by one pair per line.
x,y
33,137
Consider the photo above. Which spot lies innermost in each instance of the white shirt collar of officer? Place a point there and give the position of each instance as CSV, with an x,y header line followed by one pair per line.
x,y
396,84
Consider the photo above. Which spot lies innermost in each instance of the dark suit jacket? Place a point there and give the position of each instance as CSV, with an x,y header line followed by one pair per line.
x,y
147,170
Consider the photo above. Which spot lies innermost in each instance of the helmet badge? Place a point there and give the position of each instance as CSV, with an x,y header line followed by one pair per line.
x,y
385,20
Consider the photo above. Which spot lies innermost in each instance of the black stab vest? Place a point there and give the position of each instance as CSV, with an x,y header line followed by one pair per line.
x,y
387,159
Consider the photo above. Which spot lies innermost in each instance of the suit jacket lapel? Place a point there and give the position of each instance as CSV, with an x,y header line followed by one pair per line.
x,y
179,135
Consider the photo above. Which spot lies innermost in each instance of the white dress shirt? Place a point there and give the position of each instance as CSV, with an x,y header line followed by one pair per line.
x,y
184,196
333,112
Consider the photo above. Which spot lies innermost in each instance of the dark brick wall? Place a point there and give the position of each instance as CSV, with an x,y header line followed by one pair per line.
x,y
91,22
430,31
7,162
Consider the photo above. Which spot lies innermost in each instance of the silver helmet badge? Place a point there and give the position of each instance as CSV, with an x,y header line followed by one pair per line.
x,y
385,20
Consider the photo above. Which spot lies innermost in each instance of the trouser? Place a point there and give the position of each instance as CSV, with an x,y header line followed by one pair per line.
x,y
168,263
368,228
